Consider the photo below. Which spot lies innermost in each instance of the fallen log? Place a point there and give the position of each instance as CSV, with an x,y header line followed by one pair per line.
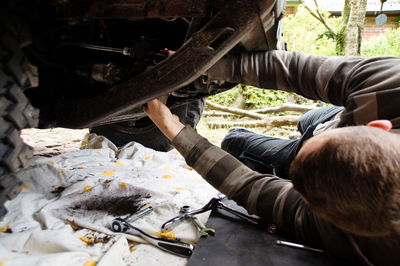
x,y
219,113
257,114
285,108
235,111
268,122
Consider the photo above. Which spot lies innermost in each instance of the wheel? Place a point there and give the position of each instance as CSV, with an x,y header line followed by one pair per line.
x,y
145,132
16,112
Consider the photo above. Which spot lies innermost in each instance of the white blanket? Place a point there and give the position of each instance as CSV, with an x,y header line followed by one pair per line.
x,y
65,195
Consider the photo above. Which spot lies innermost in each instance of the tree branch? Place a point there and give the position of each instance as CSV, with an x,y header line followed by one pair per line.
x,y
319,17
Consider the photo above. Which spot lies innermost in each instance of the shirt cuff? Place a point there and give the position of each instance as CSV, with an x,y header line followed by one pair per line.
x,y
186,140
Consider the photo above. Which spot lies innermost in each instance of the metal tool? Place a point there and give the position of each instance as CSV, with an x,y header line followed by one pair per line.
x,y
295,245
214,203
203,230
121,228
174,246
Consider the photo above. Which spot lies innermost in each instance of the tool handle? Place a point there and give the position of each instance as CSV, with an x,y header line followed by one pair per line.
x,y
174,246
180,248
253,220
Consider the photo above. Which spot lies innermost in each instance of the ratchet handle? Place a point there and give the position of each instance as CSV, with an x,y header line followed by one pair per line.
x,y
178,248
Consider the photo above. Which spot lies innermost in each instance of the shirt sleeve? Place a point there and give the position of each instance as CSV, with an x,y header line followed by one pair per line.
x,y
366,87
271,198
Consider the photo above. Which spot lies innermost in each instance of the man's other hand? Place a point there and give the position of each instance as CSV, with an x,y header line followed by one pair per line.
x,y
162,117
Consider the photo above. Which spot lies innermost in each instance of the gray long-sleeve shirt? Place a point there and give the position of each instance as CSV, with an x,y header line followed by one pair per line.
x,y
274,199
369,88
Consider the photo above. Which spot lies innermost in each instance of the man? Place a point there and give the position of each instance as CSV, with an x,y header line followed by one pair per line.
x,y
367,88
344,196
357,217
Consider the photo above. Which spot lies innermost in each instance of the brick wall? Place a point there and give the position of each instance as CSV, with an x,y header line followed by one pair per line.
x,y
290,10
371,30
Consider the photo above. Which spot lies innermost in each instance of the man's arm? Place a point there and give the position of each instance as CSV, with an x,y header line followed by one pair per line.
x,y
270,197
367,87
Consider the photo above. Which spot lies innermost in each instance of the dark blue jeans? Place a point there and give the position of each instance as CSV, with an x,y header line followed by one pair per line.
x,y
269,155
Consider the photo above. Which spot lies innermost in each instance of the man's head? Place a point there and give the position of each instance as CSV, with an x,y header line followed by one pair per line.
x,y
351,177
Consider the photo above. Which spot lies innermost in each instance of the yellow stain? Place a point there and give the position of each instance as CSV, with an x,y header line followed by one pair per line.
x,y
5,228
173,170
1,263
132,249
25,186
167,177
190,168
180,189
166,168
146,158
119,163
85,239
90,263
93,214
85,140
137,167
122,185
168,234
108,173
80,167
87,188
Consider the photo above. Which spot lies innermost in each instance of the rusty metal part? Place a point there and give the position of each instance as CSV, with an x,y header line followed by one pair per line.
x,y
229,26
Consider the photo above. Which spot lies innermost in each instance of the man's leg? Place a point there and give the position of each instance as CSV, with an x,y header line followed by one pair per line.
x,y
261,153
312,117
269,155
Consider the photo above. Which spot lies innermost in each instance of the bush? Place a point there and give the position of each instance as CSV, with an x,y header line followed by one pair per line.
x,y
227,97
259,98
387,44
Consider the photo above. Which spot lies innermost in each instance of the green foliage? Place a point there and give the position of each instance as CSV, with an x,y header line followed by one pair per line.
x,y
304,33
259,98
387,44
226,97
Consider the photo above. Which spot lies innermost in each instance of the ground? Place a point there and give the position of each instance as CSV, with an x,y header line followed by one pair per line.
x,y
50,142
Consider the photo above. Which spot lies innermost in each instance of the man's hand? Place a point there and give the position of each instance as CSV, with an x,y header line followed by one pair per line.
x,y
167,122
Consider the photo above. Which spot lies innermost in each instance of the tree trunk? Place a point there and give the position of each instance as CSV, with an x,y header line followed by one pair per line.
x,y
354,27
348,38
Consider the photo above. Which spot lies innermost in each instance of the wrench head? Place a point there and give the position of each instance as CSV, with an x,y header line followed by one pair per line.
x,y
118,225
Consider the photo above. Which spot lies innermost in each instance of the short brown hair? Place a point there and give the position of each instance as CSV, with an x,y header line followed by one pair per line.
x,y
353,180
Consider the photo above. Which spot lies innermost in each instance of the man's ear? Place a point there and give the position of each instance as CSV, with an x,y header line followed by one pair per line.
x,y
382,124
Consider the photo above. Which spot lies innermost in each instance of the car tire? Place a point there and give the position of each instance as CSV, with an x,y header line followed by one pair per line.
x,y
145,132
16,113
